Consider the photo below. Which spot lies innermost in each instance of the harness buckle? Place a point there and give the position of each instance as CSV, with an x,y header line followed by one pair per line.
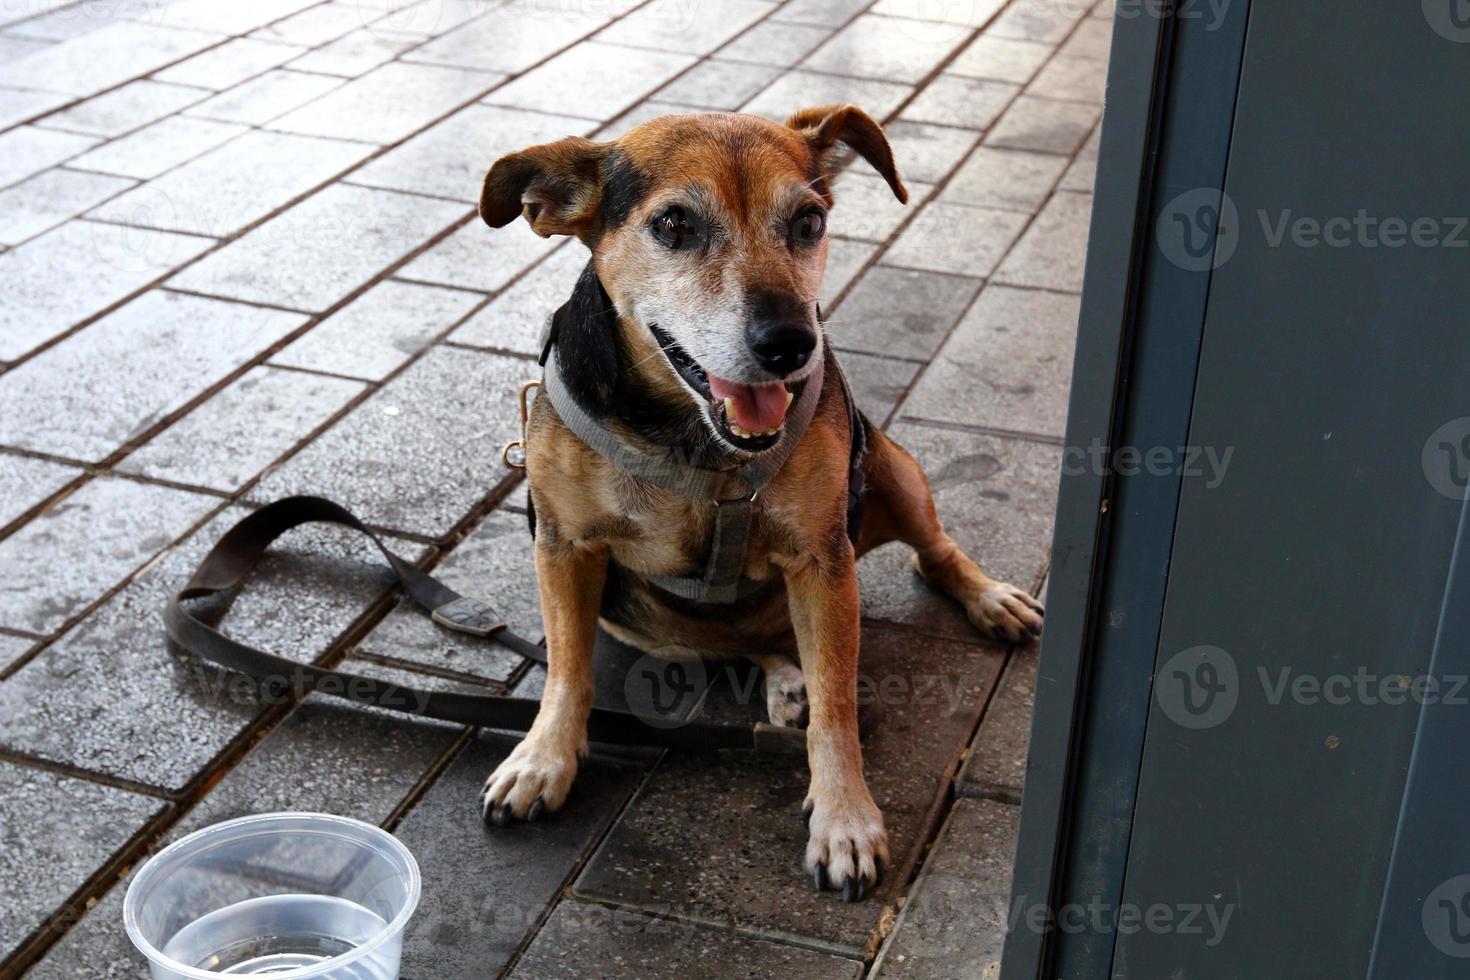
x,y
525,403
468,615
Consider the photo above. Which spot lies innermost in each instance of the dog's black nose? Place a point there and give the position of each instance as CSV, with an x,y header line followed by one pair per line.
x,y
780,333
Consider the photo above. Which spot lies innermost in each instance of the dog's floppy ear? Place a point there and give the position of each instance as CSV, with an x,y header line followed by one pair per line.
x,y
557,186
828,125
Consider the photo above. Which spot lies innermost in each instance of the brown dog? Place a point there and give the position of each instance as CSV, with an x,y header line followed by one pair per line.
x,y
688,336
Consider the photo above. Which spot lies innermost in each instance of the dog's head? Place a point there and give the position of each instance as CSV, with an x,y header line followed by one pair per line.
x,y
709,234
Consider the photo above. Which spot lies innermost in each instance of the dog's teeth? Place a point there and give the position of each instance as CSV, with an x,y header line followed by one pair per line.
x,y
729,408
790,397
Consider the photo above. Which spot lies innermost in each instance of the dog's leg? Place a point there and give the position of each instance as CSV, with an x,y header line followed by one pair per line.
x,y
898,505
785,689
536,776
847,844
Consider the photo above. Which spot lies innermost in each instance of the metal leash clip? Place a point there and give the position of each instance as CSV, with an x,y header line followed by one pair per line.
x,y
525,419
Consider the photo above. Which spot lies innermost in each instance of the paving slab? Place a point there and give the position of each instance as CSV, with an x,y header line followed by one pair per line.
x,y
582,939
30,150
114,261
229,64
845,258
773,43
512,37
315,25
720,85
1053,251
209,15
1043,23
12,648
513,320
231,438
388,103
497,564
925,152
113,697
107,57
957,239
1093,38
104,386
826,13
422,450
57,830
971,14
69,21
672,25
878,383
1044,125
344,760
804,89
954,922
234,185
262,99
720,836
955,100
900,312
995,498
354,54
374,334
1082,172
12,48
479,257
1000,58
26,481
485,887
89,542
866,207
1008,365
639,114
127,108
157,147
1071,79
48,199
18,105
591,80
280,262
450,158
874,46
1013,180
996,765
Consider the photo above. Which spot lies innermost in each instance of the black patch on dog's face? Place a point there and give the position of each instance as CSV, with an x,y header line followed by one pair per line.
x,y
624,187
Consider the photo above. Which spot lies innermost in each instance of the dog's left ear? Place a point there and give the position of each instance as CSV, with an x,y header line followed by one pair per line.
x,y
556,186
829,125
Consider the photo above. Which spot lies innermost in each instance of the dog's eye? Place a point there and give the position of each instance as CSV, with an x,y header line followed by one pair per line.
x,y
673,228
808,227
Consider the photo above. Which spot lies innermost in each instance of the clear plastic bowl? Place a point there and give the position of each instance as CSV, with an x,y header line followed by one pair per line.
x,y
291,895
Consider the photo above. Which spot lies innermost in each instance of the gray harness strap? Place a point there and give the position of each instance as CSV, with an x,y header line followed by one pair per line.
x,y
721,581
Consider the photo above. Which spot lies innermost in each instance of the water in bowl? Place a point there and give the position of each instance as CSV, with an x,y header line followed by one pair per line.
x,y
278,933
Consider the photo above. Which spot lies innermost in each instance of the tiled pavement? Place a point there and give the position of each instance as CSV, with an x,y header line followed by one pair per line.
x,y
238,259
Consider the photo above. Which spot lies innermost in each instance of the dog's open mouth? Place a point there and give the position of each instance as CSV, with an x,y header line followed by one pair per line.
x,y
748,416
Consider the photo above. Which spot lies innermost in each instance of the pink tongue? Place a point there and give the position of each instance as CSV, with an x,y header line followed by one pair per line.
x,y
756,408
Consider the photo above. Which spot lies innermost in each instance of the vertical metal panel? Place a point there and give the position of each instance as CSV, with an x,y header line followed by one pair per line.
x,y
1325,551
1107,281
1194,138
1424,923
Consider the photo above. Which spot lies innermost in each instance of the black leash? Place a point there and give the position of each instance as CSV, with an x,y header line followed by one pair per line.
x,y
237,554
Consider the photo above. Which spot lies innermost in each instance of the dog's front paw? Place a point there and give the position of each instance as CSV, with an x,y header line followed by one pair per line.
x,y
1006,613
848,846
533,780
786,696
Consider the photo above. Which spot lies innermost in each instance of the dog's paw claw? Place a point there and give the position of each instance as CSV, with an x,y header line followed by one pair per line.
x,y
848,845
537,808
1007,613
530,783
